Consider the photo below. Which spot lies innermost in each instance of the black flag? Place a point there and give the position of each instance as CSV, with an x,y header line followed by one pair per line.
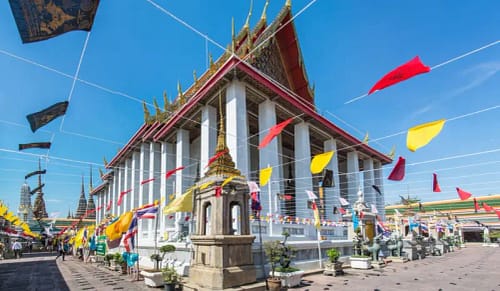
x,y
40,20
41,145
35,173
377,189
335,210
327,178
41,118
36,189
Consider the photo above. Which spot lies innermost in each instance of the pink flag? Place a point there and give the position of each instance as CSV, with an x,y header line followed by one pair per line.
x,y
401,73
311,195
487,207
435,184
398,173
216,156
463,195
147,181
171,172
273,132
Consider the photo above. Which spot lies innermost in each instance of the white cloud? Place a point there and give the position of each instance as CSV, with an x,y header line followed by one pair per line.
x,y
477,75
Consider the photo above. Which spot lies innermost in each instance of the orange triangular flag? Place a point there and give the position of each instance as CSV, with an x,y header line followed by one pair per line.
x,y
274,131
463,195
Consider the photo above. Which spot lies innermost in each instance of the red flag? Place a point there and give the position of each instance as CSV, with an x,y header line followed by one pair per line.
x,y
361,214
109,205
401,73
186,218
476,206
487,207
498,213
216,156
274,131
121,196
435,184
99,208
398,173
342,210
218,191
463,195
171,172
147,181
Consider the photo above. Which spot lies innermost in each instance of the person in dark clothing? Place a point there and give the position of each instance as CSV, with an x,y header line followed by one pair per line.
x,y
60,248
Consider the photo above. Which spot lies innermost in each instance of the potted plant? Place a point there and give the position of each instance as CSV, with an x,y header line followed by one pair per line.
x,y
115,263
290,276
273,250
154,277
360,262
166,249
171,278
333,267
108,258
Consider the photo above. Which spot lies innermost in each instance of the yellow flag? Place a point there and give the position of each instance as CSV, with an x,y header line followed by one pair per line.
x,y
320,161
124,221
171,197
205,185
180,204
111,231
422,134
265,175
229,179
3,209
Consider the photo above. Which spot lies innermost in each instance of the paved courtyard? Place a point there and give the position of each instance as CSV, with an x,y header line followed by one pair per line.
x,y
471,268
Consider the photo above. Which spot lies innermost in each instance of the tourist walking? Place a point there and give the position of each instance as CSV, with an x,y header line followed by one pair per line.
x,y
16,247
60,249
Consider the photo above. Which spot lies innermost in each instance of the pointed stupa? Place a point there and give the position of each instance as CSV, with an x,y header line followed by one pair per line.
x,y
82,203
39,210
223,165
90,202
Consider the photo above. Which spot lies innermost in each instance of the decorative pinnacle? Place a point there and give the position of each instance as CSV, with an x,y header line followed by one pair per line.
x,y
247,22
179,89
263,16
224,165
232,36
166,103
195,77
210,60
288,3
157,108
90,182
146,111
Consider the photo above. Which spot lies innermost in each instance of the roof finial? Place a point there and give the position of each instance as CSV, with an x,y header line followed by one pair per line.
x,y
157,108
232,36
210,60
194,76
263,16
181,95
105,161
83,188
221,142
247,22
101,174
146,111
166,103
288,3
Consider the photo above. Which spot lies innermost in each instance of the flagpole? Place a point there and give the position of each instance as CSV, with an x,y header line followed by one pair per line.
x,y
156,231
137,248
270,208
319,249
261,250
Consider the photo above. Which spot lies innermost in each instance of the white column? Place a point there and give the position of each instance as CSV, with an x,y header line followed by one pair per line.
x,y
154,186
119,209
368,181
143,189
352,176
269,157
208,136
182,158
134,179
332,194
237,125
303,176
379,181
114,189
127,186
166,186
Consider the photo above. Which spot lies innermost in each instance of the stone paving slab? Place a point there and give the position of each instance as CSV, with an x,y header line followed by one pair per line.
x,y
471,268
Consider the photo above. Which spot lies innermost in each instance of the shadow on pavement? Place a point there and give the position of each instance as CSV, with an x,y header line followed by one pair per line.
x,y
31,275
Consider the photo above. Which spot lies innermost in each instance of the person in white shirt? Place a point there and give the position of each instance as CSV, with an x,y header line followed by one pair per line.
x,y
16,247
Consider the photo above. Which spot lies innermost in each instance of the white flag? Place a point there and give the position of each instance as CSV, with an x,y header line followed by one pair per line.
x,y
374,209
343,202
253,187
311,195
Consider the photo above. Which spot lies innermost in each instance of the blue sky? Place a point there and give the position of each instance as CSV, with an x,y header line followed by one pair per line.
x,y
347,46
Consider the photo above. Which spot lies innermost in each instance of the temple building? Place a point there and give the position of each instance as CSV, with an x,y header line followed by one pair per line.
x,y
25,212
455,212
261,81
39,210
82,203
